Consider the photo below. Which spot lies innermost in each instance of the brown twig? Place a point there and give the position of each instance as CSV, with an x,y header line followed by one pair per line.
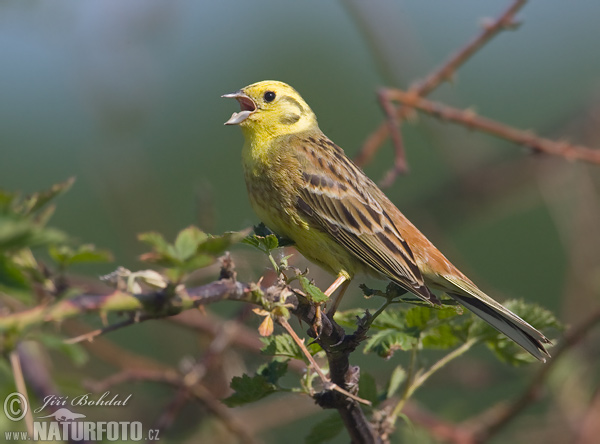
x,y
328,385
334,341
338,346
489,423
89,336
472,121
246,338
435,78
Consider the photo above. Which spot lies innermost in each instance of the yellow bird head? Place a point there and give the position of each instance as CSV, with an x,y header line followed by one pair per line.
x,y
269,109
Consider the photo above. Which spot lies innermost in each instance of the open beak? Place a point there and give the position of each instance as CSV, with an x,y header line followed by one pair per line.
x,y
247,107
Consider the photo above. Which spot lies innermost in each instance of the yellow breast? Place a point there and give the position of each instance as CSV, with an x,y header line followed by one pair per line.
x,y
272,178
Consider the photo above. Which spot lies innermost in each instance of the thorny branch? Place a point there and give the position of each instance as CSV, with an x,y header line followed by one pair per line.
x,y
445,72
471,120
168,302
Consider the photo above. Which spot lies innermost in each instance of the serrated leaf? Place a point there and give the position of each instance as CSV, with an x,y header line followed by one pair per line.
x,y
448,312
265,243
273,370
534,314
367,388
391,318
281,345
271,242
252,240
396,379
386,342
325,430
440,337
261,230
250,389
314,293
418,317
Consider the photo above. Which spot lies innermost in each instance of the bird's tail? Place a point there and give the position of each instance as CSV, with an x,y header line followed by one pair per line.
x,y
499,317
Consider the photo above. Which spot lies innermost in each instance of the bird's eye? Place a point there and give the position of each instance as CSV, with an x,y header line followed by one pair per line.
x,y
269,96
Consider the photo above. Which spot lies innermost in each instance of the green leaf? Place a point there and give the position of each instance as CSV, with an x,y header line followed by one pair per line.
x,y
441,337
396,379
17,232
386,342
281,345
11,275
271,242
273,370
216,245
391,318
446,312
367,388
325,430
347,318
37,200
534,314
187,242
315,295
192,249
418,317
264,243
156,241
250,389
261,230
198,261
65,255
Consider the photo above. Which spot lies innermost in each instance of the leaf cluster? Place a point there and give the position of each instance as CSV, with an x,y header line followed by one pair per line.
x,y
192,249
24,279
23,228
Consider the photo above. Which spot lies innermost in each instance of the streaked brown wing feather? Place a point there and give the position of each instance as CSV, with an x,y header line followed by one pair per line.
x,y
336,198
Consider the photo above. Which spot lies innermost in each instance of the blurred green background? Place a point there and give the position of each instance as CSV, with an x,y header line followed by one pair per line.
x,y
125,96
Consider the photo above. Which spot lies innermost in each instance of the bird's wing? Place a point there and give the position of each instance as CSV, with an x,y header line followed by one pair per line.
x,y
335,197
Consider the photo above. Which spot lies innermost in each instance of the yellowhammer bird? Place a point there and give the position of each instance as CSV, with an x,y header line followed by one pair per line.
x,y
303,187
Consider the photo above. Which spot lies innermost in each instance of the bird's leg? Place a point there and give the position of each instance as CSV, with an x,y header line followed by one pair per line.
x,y
343,285
341,280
